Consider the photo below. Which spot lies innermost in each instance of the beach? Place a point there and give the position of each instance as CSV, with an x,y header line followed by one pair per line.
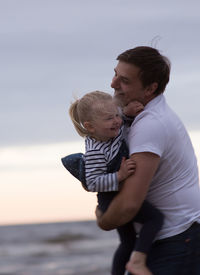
x,y
66,248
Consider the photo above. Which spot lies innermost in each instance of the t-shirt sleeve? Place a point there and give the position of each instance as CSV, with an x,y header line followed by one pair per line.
x,y
147,135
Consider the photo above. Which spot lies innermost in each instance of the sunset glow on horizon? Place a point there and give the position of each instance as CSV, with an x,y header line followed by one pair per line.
x,y
36,188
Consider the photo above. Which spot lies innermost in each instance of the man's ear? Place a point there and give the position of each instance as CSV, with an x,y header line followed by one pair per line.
x,y
151,88
88,126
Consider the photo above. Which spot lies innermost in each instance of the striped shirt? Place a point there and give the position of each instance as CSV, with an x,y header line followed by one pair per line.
x,y
98,155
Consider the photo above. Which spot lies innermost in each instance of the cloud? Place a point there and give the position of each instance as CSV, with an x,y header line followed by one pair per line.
x,y
51,50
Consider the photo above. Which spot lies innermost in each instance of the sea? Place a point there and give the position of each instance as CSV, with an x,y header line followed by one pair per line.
x,y
65,248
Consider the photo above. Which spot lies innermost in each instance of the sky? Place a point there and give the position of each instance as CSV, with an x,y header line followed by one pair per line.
x,y
52,51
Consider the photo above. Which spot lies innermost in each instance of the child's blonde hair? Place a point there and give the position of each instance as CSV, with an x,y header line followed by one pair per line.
x,y
86,109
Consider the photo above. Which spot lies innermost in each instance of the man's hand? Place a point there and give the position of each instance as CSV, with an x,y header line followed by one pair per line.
x,y
98,214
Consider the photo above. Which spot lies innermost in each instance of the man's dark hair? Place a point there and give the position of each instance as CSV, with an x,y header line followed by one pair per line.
x,y
153,66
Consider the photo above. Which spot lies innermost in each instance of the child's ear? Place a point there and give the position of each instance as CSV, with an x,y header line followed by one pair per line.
x,y
88,126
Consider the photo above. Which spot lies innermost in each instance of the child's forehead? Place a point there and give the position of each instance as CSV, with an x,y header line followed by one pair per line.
x,y
105,103
107,106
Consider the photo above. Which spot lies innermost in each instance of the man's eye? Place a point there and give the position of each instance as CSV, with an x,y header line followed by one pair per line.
x,y
125,81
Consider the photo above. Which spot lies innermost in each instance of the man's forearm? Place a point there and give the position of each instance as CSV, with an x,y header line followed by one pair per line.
x,y
127,203
122,209
109,221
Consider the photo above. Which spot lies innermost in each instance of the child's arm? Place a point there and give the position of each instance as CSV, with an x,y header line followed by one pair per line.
x,y
127,168
97,178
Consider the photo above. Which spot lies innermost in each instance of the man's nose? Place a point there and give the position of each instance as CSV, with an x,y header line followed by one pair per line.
x,y
115,84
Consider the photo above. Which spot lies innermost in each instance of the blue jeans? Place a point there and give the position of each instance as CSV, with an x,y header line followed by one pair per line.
x,y
177,255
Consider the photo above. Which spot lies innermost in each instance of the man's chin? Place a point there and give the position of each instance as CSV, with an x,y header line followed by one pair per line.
x,y
119,100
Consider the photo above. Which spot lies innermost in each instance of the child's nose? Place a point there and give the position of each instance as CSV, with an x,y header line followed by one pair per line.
x,y
117,120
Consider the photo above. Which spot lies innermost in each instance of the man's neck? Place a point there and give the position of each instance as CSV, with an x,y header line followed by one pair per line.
x,y
149,98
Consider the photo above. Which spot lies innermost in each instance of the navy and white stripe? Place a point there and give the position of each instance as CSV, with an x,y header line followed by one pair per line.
x,y
98,155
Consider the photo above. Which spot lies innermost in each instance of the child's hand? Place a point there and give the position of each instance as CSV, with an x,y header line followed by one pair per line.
x,y
127,168
133,108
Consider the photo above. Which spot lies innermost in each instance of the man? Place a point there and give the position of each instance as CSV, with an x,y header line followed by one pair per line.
x,y
166,173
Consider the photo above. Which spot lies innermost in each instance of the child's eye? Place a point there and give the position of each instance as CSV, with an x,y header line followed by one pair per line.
x,y
109,117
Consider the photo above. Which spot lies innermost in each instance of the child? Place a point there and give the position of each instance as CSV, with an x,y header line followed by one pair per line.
x,y
96,117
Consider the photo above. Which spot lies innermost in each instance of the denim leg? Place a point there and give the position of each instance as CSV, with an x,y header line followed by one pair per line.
x,y
122,254
194,249
178,255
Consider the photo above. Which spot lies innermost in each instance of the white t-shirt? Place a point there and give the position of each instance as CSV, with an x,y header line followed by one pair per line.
x,y
175,186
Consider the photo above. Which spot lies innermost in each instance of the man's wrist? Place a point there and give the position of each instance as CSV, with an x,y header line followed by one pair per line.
x,y
100,219
102,224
